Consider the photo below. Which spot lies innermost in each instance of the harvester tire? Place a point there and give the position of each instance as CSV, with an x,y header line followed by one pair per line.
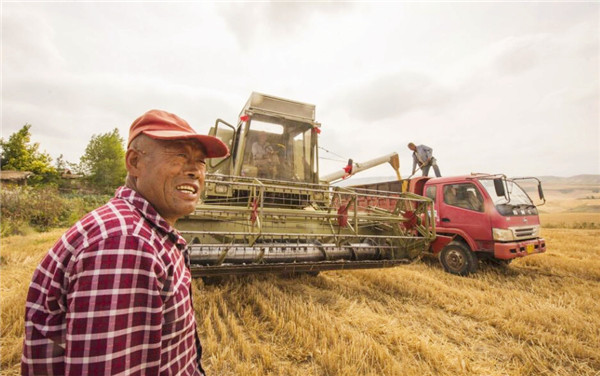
x,y
457,258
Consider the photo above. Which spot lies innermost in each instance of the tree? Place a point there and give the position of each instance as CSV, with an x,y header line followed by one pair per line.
x,y
60,164
104,161
18,153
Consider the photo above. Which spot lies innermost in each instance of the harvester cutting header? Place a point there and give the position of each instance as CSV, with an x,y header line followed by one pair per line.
x,y
266,209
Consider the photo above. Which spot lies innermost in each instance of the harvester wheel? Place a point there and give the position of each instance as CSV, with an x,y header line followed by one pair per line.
x,y
457,258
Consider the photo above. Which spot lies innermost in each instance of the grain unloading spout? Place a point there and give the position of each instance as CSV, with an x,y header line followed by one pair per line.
x,y
353,168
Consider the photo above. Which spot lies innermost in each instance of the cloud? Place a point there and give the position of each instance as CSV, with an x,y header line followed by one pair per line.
x,y
252,21
31,42
65,110
516,55
459,79
392,95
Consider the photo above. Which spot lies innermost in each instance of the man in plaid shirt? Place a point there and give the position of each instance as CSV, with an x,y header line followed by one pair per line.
x,y
113,296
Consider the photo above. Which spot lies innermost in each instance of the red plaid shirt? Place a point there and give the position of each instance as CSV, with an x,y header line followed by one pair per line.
x,y
112,297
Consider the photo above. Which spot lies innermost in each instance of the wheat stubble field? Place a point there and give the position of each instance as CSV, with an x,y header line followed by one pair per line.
x,y
538,316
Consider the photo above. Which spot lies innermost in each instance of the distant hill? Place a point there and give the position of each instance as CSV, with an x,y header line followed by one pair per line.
x,y
588,179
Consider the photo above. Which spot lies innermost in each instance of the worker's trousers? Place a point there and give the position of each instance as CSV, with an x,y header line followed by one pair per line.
x,y
436,169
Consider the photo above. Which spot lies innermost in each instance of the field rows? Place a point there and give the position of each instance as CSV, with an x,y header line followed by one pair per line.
x,y
539,316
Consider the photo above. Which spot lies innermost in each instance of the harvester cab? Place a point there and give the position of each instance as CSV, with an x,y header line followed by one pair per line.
x,y
275,139
265,209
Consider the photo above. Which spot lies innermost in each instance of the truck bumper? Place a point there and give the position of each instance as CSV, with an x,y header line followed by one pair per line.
x,y
507,251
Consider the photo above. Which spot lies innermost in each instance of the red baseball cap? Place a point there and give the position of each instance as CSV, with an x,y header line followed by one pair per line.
x,y
162,125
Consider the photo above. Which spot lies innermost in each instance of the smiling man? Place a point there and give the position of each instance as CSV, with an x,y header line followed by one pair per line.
x,y
113,296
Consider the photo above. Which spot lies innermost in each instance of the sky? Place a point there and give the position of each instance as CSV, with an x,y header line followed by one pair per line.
x,y
511,87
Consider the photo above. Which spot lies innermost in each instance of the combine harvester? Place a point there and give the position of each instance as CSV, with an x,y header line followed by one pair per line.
x,y
265,209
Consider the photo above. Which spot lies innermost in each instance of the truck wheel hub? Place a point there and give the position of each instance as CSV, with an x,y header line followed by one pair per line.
x,y
455,259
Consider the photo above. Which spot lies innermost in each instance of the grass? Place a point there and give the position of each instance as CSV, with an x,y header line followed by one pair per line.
x,y
571,220
19,257
538,316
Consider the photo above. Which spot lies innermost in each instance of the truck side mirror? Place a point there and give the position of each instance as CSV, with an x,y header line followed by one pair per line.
x,y
499,187
541,192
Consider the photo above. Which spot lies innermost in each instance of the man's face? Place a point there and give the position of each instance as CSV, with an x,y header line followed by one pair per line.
x,y
262,138
412,147
170,175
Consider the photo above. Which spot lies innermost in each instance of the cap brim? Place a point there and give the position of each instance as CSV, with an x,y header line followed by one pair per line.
x,y
213,147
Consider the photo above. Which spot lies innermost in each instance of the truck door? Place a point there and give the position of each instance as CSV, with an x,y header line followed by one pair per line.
x,y
462,207
430,192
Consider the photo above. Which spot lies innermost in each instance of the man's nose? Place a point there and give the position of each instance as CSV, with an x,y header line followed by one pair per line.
x,y
195,169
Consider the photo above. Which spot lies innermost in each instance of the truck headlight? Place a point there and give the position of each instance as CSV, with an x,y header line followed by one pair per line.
x,y
503,235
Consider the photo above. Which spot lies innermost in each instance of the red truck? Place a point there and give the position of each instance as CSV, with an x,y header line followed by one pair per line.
x,y
487,216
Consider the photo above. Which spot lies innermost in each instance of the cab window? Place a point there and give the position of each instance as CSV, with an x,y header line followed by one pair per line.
x,y
465,195
279,149
430,192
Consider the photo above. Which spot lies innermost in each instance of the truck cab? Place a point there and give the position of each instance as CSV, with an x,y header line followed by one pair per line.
x,y
488,217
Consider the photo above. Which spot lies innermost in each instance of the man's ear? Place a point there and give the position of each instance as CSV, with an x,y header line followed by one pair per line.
x,y
132,160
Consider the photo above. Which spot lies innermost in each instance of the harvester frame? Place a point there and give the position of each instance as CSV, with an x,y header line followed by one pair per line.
x,y
293,222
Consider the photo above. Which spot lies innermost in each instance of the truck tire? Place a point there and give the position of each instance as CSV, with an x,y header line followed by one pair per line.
x,y
457,258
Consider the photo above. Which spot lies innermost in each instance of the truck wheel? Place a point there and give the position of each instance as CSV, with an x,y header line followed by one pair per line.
x,y
457,258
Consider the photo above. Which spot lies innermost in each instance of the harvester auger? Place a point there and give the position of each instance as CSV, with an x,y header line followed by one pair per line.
x,y
264,208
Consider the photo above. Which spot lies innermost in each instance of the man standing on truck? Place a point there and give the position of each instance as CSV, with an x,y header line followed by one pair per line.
x,y
113,296
423,157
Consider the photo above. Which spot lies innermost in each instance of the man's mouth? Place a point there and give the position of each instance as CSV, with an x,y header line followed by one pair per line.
x,y
186,188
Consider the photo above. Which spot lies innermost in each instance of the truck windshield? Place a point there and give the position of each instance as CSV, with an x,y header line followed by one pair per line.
x,y
517,195
279,149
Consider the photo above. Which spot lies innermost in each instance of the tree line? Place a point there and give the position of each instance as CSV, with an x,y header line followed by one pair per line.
x,y
102,166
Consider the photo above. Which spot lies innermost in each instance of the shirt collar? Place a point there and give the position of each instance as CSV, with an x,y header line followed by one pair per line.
x,y
148,212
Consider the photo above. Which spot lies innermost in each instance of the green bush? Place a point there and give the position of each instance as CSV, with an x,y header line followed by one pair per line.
x,y
81,204
42,208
